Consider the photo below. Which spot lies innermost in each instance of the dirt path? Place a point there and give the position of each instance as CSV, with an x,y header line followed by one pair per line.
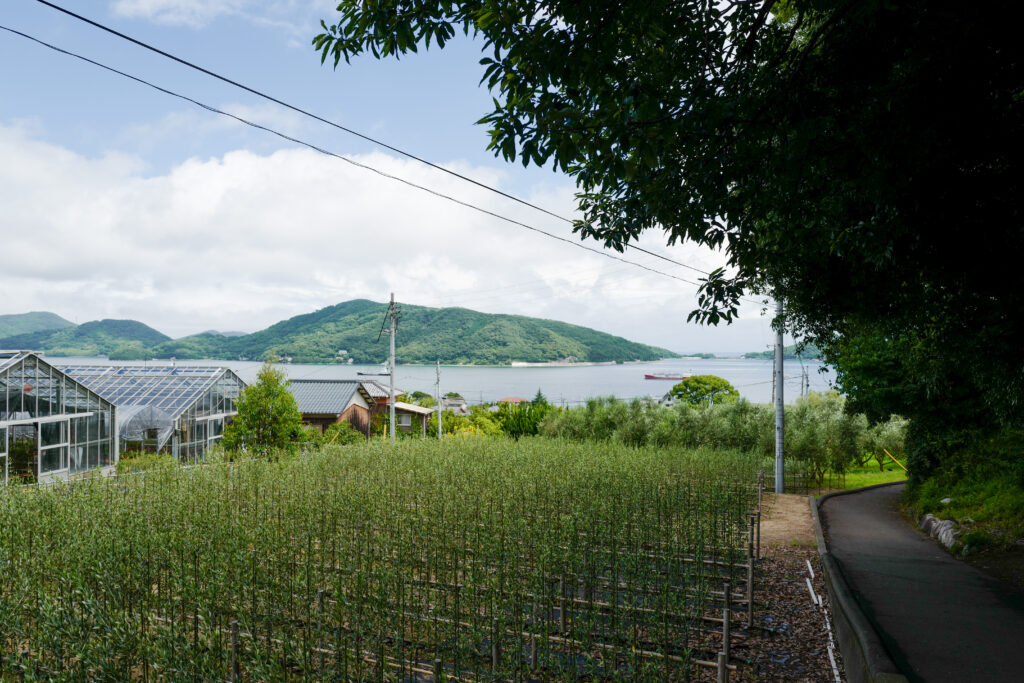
x,y
786,521
790,641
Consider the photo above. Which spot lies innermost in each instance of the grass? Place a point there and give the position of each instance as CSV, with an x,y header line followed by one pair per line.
x,y
859,477
996,503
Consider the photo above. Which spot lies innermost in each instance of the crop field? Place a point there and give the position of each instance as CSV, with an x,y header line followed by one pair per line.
x,y
470,560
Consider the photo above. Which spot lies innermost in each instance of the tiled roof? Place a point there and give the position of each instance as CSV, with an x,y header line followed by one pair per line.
x,y
377,390
324,396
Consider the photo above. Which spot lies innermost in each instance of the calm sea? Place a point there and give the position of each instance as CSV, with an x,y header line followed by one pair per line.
x,y
561,385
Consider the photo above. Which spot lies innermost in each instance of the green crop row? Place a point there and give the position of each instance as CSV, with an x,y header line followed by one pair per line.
x,y
473,559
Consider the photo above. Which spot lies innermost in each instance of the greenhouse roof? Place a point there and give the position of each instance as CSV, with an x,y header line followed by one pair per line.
x,y
8,358
171,388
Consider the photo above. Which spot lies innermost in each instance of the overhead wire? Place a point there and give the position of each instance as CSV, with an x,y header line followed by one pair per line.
x,y
350,131
341,157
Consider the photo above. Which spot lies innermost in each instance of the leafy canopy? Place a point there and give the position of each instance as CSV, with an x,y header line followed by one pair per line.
x,y
705,390
860,161
268,417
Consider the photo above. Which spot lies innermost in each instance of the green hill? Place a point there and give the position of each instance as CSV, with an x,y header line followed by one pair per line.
x,y
810,352
349,331
26,323
118,339
453,335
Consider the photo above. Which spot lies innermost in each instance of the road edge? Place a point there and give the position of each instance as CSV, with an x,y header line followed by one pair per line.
x,y
864,655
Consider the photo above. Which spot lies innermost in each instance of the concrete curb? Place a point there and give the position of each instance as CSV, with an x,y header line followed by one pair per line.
x,y
864,655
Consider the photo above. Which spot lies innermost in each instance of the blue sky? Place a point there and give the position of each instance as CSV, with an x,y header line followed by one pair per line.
x,y
123,202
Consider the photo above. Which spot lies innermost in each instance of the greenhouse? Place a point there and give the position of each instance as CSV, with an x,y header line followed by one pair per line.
x,y
51,426
180,410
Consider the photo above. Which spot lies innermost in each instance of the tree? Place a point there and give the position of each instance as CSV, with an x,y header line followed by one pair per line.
x,y
857,160
268,417
705,390
539,399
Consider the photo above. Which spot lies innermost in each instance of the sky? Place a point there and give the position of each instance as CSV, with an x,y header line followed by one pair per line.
x,y
119,201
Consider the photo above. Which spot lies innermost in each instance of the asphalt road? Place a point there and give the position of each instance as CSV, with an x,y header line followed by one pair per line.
x,y
942,620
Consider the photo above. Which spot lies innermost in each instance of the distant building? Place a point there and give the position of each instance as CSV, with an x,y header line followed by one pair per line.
x,y
456,404
514,400
51,426
177,409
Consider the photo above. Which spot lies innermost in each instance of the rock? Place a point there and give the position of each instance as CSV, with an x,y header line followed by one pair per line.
x,y
942,529
946,501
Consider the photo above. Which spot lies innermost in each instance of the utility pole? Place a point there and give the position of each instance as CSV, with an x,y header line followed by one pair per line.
x,y
391,369
439,399
779,404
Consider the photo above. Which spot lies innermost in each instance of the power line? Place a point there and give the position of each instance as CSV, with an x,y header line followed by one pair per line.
x,y
342,157
340,127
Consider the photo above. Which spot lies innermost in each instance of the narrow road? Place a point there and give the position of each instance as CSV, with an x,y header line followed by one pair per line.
x,y
941,619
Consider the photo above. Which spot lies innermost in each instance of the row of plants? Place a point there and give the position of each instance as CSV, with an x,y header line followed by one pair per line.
x,y
819,433
469,559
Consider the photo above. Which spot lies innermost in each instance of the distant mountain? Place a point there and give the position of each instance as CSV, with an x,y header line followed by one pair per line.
x,y
225,334
810,352
27,323
348,332
454,335
118,339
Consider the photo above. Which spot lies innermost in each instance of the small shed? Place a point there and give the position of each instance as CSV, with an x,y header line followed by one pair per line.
x,y
407,415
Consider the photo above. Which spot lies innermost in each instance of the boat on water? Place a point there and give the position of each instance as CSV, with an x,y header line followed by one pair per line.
x,y
383,372
672,377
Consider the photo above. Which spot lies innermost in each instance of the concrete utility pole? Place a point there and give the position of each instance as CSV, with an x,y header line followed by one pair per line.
x,y
779,403
439,399
391,368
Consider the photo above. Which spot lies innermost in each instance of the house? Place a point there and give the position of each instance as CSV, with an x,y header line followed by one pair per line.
x,y
176,409
51,426
456,404
514,400
324,402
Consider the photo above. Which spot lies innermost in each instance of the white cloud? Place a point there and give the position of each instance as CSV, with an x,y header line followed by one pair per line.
x,y
244,240
295,15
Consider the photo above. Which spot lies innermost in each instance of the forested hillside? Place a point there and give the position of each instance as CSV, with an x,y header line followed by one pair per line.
x,y
349,331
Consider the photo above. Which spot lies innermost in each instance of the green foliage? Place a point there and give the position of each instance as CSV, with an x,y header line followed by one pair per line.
x,y
705,389
803,139
268,418
141,462
820,433
110,577
820,436
479,422
342,434
518,420
890,436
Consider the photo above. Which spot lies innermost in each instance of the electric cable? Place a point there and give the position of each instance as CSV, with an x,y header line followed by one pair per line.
x,y
340,127
341,157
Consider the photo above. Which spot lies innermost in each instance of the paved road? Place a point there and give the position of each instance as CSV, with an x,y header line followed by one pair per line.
x,y
941,619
